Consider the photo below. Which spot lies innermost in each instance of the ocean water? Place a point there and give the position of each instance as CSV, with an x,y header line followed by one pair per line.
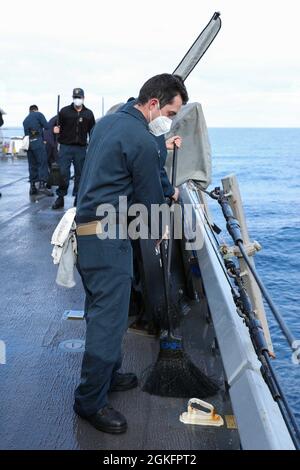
x,y
10,132
267,164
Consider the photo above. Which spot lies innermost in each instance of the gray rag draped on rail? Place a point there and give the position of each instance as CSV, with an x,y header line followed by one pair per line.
x,y
194,157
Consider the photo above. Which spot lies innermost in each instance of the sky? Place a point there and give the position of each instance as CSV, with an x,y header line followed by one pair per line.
x,y
249,77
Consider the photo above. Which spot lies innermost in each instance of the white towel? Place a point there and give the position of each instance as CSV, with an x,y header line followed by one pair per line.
x,y
65,272
61,233
64,252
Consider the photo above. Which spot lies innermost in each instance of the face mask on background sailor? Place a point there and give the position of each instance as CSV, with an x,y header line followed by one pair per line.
x,y
159,125
78,102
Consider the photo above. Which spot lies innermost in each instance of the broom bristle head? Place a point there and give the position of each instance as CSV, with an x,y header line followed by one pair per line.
x,y
175,375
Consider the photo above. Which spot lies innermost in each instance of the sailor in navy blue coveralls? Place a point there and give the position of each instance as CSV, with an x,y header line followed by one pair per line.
x,y
33,125
122,160
123,153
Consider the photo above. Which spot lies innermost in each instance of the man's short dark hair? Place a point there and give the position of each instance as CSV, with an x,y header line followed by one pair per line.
x,y
164,87
33,107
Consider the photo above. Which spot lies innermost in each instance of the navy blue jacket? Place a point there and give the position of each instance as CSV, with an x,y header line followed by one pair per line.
x,y
166,185
34,124
122,160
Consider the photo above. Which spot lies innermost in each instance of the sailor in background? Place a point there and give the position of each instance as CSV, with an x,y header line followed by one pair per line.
x,y
122,160
75,123
34,124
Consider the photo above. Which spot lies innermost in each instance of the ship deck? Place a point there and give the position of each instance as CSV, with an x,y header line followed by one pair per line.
x,y
38,380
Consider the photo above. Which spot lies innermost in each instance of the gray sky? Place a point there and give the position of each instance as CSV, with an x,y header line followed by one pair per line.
x,y
250,76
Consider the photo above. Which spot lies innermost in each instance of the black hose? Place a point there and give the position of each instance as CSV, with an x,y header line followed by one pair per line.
x,y
283,404
289,336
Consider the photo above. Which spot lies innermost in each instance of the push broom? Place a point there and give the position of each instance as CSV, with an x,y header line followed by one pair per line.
x,y
174,374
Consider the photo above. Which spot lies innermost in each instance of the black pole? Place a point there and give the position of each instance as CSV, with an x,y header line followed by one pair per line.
x,y
58,105
57,117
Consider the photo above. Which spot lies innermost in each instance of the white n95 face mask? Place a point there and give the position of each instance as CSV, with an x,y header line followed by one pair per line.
x,y
160,125
78,101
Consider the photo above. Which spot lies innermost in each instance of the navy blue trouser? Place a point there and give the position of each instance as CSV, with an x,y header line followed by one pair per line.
x,y
105,267
70,154
37,161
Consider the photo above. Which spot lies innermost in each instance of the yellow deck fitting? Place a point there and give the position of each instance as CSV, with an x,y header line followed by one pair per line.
x,y
230,422
203,418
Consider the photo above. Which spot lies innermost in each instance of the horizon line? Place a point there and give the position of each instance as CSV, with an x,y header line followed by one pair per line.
x,y
209,127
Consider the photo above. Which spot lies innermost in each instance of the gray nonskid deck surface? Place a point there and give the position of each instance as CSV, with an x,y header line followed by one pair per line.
x,y
38,381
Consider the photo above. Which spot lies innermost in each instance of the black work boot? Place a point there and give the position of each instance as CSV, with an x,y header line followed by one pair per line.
x,y
58,203
107,419
32,190
43,189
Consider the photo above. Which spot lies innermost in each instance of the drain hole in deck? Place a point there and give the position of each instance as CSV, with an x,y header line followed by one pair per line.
x,y
72,345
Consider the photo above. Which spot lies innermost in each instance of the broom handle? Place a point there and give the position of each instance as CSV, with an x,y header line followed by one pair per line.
x,y
163,257
170,243
174,165
166,255
173,180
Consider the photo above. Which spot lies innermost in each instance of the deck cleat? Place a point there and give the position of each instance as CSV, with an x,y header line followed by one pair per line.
x,y
196,416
